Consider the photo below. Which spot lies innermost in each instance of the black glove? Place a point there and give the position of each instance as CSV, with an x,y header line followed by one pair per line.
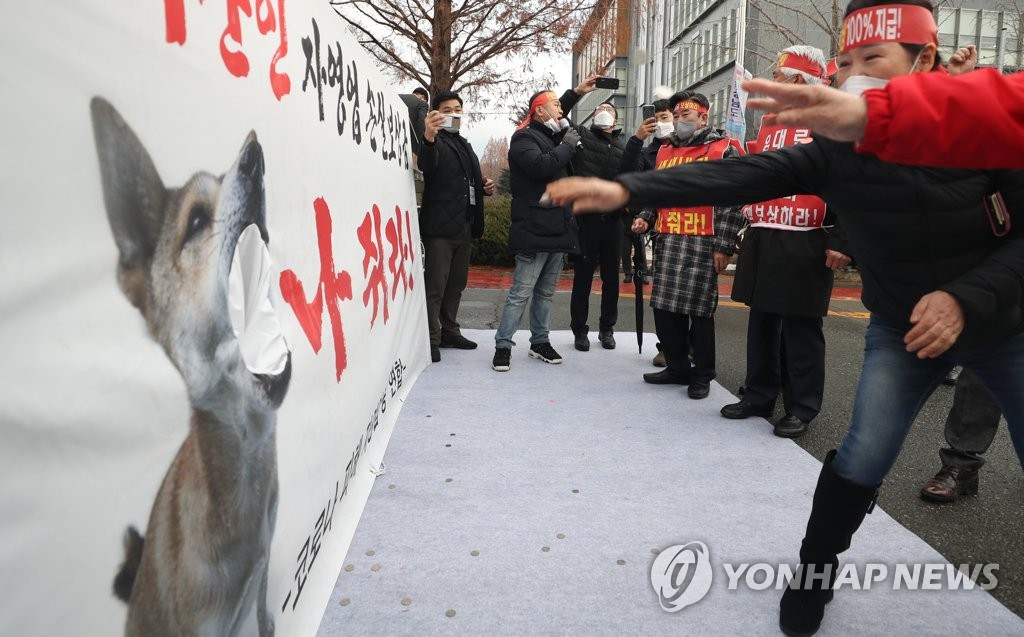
x,y
571,137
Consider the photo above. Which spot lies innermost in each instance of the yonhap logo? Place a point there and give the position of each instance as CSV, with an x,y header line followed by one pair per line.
x,y
681,575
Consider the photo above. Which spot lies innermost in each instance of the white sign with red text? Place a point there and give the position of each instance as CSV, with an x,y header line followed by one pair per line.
x,y
213,311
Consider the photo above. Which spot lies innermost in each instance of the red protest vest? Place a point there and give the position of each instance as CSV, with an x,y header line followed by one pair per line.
x,y
796,212
697,221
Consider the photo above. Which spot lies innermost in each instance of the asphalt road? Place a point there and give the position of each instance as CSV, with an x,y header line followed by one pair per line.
x,y
988,528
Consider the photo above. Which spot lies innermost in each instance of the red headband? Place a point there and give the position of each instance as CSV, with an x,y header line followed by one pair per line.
x,y
907,24
690,105
538,101
799,63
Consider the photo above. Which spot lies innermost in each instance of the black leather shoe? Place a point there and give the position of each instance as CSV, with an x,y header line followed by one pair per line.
x,y
665,377
745,409
435,354
952,376
607,339
789,426
627,278
582,342
698,390
457,342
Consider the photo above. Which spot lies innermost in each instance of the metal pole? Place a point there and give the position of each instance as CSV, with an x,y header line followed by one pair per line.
x,y
741,33
1001,49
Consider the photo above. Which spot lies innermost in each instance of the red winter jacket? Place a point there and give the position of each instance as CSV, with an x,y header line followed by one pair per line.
x,y
974,120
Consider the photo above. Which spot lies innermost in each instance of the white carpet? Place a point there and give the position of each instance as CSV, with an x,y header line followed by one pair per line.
x,y
529,502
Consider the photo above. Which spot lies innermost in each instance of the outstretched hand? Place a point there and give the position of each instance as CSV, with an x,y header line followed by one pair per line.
x,y
938,321
824,110
587,194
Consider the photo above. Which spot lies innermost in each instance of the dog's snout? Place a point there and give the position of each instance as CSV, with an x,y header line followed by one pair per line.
x,y
250,163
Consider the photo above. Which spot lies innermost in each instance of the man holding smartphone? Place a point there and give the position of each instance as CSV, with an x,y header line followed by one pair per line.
x,y
452,215
598,155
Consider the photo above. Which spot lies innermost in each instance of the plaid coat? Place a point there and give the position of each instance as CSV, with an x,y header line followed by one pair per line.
x,y
685,280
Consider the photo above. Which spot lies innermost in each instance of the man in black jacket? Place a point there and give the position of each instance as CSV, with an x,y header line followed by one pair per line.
x,y
598,155
784,275
540,234
452,215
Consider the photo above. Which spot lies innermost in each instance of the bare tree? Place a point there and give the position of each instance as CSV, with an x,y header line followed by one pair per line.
x,y
464,46
495,157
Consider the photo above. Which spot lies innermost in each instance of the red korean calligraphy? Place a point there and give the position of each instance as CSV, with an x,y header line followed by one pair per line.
x,y
378,269
269,19
332,288
373,264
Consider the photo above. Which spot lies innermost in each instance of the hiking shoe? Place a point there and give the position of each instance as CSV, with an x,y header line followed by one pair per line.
x,y
607,339
545,352
502,361
582,342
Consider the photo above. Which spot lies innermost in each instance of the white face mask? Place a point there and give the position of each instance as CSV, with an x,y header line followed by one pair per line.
x,y
553,125
857,84
664,129
604,119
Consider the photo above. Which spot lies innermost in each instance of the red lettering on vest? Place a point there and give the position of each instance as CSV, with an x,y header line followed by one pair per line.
x,y
700,220
796,212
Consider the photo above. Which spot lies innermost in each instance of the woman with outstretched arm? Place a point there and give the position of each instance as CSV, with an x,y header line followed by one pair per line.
x,y
974,120
942,268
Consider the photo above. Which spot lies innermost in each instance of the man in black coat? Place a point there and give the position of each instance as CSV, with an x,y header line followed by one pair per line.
x,y
540,234
452,215
784,275
598,155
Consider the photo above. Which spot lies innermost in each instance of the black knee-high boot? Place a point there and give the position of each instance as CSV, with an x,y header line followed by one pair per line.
x,y
836,514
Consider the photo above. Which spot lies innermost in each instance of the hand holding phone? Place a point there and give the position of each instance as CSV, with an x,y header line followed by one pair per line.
x,y
452,122
647,111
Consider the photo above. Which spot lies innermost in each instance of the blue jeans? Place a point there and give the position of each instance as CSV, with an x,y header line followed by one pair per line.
x,y
894,384
536,275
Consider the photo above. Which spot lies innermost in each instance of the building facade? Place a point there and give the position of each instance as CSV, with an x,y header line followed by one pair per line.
x,y
603,47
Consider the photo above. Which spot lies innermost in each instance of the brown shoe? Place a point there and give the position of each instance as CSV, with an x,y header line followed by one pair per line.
x,y
659,360
950,483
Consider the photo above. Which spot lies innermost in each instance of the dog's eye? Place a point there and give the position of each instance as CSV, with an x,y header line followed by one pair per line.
x,y
198,218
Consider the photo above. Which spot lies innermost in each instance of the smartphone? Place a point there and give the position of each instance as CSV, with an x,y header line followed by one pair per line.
x,y
452,121
607,82
647,112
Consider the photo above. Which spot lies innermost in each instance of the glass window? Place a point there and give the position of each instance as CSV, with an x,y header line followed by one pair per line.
x,y
732,29
988,43
947,21
968,27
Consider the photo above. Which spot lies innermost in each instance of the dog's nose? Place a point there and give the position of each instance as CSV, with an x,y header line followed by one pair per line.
x,y
250,163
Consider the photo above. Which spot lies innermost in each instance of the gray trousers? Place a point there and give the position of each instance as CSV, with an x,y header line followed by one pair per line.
x,y
445,273
971,424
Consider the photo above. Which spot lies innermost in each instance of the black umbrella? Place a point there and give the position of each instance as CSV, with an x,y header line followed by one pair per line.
x,y
638,288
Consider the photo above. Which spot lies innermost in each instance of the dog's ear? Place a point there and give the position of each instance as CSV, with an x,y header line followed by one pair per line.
x,y
134,195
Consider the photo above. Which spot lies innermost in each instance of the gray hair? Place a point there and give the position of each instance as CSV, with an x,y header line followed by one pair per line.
x,y
814,54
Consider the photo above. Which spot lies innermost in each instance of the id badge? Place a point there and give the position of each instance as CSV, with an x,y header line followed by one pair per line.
x,y
472,194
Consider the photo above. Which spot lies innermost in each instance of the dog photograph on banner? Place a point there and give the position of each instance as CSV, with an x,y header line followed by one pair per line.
x,y
214,314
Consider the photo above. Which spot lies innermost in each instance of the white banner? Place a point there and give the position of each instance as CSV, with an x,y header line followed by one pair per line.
x,y
736,121
212,282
